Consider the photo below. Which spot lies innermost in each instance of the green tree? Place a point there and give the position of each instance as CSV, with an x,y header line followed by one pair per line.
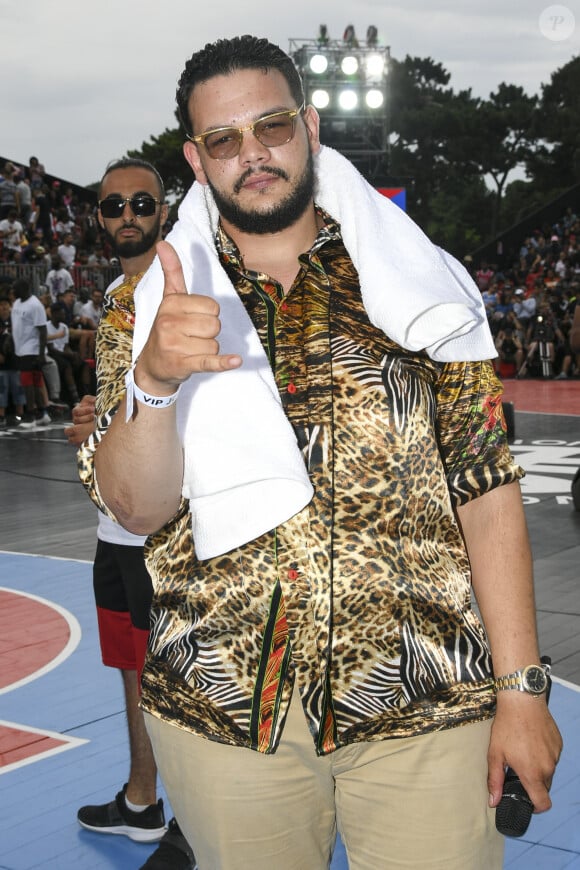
x,y
432,134
554,165
165,152
506,138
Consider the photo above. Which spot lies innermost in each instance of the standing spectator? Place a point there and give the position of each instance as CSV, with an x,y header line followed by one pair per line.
x,y
121,583
12,236
67,251
41,214
88,227
9,195
35,173
58,279
25,197
10,386
28,319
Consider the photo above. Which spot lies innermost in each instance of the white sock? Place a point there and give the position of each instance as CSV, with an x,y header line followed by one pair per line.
x,y
135,808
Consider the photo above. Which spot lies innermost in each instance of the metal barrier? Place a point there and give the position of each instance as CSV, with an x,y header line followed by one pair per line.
x,y
85,277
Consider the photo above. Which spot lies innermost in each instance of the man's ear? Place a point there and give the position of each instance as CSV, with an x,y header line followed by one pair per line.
x,y
312,123
191,154
100,219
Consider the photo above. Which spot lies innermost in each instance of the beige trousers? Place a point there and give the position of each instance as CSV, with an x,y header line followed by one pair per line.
x,y
417,802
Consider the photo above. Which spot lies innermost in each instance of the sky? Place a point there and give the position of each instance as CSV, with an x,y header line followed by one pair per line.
x,y
83,82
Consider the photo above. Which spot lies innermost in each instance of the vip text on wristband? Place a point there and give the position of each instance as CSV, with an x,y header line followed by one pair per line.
x,y
135,392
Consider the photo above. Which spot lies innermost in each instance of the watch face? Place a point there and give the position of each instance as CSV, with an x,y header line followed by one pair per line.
x,y
535,680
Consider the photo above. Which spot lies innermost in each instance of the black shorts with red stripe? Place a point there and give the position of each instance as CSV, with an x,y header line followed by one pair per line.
x,y
123,593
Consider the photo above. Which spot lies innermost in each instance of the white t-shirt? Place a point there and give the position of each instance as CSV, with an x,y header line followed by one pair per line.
x,y
26,317
57,343
113,533
67,254
15,232
89,310
58,281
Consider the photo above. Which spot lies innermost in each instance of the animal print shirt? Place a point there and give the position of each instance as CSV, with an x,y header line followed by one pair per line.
x,y
362,600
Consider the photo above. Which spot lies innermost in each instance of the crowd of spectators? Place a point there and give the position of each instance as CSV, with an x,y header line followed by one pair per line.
x,y
44,226
43,223
530,304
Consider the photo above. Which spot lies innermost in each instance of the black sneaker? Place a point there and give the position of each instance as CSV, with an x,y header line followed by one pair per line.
x,y
116,818
172,853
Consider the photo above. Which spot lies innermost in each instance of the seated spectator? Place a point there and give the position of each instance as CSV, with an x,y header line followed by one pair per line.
x,y
11,392
74,372
92,310
524,305
489,297
509,346
81,339
484,276
12,236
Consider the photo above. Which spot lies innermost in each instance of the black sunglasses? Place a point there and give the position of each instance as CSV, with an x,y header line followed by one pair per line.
x,y
141,204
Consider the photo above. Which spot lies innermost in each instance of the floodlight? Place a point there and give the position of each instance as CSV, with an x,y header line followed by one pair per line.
x,y
349,65
348,100
320,99
375,65
374,98
318,63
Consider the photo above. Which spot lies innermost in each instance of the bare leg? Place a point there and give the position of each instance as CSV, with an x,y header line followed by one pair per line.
x,y
141,788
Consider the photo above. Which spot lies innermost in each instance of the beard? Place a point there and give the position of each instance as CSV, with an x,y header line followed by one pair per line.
x,y
136,247
279,216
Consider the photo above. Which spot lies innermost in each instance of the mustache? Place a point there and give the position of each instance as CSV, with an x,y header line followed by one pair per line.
x,y
264,170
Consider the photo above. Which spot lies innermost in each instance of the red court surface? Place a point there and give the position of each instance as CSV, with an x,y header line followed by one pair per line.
x,y
543,397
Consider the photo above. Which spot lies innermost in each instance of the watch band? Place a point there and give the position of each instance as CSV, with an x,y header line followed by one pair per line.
x,y
533,679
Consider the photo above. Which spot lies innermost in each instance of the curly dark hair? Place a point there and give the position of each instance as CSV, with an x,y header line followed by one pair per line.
x,y
134,163
227,55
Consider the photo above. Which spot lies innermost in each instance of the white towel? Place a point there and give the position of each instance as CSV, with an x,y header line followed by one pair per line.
x,y
244,473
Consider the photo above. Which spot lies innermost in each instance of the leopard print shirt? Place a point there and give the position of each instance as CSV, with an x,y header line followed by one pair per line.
x,y
363,599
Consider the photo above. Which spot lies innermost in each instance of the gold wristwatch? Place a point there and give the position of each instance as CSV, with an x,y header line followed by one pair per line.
x,y
532,679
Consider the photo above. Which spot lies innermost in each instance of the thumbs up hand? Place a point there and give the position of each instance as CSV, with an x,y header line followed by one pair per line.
x,y
183,339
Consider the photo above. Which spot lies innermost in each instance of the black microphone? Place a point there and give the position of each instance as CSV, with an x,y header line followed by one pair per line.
x,y
514,811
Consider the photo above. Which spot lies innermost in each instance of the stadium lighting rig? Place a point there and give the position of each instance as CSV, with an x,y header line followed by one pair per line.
x,y
346,80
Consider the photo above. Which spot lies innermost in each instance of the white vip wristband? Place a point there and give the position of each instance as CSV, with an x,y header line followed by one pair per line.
x,y
135,392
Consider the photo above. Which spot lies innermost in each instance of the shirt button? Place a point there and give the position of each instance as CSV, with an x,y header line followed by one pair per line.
x,y
291,388
292,574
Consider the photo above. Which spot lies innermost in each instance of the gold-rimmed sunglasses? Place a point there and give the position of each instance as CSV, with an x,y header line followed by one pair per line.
x,y
272,130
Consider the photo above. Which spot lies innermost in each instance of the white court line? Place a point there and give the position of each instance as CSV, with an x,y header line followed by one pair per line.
x,y
65,743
